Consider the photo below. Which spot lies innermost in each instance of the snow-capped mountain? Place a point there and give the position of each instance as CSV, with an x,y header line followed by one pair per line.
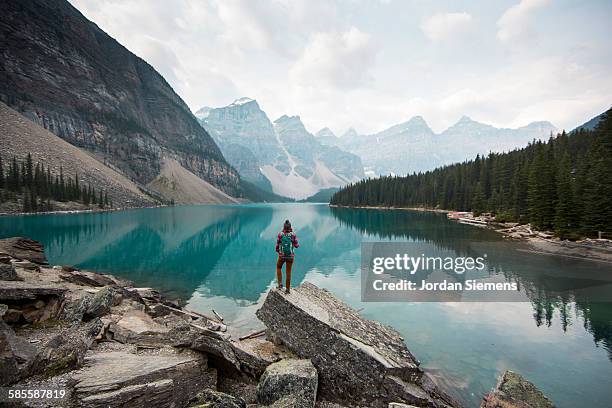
x,y
282,157
412,146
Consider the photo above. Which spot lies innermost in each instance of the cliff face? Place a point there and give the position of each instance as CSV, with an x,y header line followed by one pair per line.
x,y
63,72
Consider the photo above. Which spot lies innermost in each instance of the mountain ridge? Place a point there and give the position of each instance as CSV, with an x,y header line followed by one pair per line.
x,y
280,156
78,82
412,146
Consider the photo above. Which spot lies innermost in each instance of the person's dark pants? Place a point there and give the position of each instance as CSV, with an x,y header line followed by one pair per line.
x,y
279,271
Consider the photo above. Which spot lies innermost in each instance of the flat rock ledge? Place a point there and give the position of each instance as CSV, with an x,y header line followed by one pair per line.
x,y
358,360
120,378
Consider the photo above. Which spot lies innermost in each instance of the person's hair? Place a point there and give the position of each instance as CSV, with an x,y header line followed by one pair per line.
x,y
287,225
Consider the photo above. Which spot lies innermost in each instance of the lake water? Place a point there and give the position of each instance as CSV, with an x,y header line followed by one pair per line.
x,y
222,258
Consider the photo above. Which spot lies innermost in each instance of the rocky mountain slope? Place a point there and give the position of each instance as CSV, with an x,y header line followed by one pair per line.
x,y
185,187
20,136
412,146
63,72
282,157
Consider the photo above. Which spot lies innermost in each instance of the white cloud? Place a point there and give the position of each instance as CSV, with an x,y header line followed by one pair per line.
x,y
442,27
338,59
515,23
365,65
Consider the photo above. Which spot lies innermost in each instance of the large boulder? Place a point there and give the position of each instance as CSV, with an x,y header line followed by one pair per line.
x,y
514,391
358,360
121,379
24,249
101,303
288,383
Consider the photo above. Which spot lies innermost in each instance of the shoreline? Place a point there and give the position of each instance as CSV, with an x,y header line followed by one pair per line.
x,y
84,211
422,209
540,242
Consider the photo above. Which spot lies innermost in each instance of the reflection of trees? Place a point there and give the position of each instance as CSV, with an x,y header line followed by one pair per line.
x,y
555,286
412,225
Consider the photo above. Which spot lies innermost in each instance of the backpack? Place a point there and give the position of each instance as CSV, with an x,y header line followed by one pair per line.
x,y
286,244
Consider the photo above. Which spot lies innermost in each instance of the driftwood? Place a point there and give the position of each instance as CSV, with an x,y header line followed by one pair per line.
x,y
190,313
253,335
218,315
212,319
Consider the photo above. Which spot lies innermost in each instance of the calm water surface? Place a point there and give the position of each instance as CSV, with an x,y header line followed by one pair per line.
x,y
222,258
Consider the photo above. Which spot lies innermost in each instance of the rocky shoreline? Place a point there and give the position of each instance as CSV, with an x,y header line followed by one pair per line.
x,y
538,241
107,343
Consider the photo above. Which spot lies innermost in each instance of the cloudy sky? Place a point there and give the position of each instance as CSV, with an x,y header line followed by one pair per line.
x,y
370,64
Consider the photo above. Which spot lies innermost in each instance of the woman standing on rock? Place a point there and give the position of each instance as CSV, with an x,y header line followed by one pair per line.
x,y
285,242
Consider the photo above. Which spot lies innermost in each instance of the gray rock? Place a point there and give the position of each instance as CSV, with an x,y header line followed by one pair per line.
x,y
258,353
66,350
85,278
400,405
75,308
212,342
7,269
27,265
215,399
139,328
24,249
362,361
101,303
288,383
514,391
20,291
16,355
3,309
120,379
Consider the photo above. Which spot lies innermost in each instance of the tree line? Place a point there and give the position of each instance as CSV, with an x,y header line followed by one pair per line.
x,y
38,188
563,185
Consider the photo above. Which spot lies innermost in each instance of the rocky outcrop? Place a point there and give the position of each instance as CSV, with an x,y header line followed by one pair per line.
x,y
76,81
514,391
24,249
288,383
358,360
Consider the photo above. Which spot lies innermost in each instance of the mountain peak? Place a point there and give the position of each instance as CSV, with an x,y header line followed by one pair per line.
x,y
418,119
325,132
203,112
242,101
288,119
351,132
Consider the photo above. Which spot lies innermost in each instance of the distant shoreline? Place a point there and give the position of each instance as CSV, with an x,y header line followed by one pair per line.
x,y
601,252
365,207
84,211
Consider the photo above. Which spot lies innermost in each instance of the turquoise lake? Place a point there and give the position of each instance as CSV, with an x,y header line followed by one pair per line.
x,y
222,258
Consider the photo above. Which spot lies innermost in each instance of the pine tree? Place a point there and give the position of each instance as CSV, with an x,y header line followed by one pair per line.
x,y
565,217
